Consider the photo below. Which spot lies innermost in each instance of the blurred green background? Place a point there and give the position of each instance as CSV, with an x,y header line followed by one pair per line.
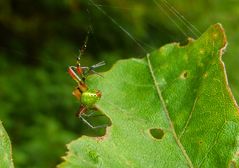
x,y
40,39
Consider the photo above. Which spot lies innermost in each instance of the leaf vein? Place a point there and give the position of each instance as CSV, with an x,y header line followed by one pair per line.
x,y
195,101
189,118
167,114
213,144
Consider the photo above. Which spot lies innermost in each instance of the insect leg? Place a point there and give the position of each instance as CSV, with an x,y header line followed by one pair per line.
x,y
96,73
102,63
99,64
88,115
73,74
81,111
90,125
88,70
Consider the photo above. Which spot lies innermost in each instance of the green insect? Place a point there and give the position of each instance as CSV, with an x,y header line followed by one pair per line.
x,y
87,97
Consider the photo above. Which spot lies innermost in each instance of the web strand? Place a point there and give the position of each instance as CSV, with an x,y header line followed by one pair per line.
x,y
112,7
172,20
83,48
118,25
182,19
166,8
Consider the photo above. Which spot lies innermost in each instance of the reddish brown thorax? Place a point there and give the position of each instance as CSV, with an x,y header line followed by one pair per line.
x,y
77,93
79,90
82,86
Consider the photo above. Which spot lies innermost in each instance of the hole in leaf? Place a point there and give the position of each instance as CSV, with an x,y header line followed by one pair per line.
x,y
184,75
157,133
232,164
96,119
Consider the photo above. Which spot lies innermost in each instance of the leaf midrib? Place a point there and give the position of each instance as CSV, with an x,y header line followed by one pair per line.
x,y
167,114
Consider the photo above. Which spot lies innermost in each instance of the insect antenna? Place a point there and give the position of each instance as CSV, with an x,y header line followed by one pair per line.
x,y
84,46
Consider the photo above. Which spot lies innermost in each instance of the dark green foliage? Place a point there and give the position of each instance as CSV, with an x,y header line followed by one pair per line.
x,y
39,39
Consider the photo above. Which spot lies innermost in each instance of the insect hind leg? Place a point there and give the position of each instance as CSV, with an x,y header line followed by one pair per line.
x,y
90,125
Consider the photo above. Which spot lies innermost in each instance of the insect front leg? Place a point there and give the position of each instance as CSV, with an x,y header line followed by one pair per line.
x,y
92,113
82,110
89,114
72,73
82,114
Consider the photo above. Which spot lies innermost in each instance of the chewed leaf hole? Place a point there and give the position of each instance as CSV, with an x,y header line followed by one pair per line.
x,y
232,164
184,75
94,123
157,133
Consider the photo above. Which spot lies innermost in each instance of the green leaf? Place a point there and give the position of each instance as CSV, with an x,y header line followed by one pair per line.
x,y
5,149
172,108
